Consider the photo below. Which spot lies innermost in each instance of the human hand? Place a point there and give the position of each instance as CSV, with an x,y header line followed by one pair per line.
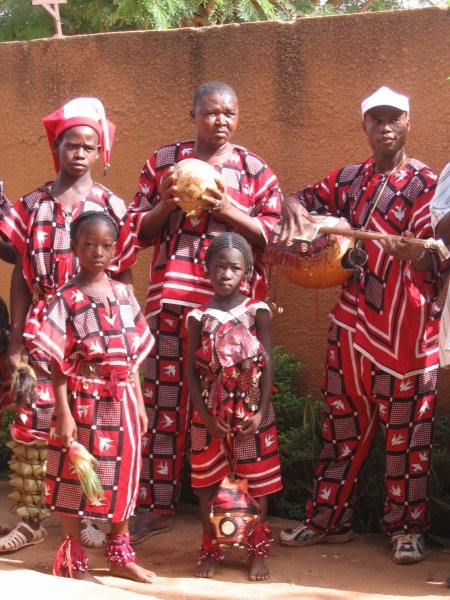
x,y
217,427
168,191
293,216
66,428
143,419
401,249
217,198
249,426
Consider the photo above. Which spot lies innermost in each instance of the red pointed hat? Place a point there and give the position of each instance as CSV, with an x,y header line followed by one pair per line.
x,y
81,111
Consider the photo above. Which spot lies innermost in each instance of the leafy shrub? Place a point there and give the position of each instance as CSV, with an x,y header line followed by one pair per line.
x,y
5,452
298,423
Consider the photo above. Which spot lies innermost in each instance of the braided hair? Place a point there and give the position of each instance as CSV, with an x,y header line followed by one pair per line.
x,y
93,215
230,239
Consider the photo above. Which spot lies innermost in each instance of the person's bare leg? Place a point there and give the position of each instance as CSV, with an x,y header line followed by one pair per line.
x,y
209,553
258,570
71,528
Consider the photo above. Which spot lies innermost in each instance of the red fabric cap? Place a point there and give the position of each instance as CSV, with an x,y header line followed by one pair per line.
x,y
81,111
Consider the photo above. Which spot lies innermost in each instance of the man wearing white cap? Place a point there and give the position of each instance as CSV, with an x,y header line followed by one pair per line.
x,y
38,225
382,356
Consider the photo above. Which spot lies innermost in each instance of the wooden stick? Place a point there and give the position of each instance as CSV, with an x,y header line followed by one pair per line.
x,y
438,245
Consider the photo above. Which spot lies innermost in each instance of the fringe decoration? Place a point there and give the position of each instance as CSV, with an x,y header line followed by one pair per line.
x,y
70,558
209,548
83,463
258,543
118,549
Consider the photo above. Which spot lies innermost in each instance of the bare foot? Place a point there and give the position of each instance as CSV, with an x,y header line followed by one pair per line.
x,y
206,568
258,570
132,571
85,576
145,525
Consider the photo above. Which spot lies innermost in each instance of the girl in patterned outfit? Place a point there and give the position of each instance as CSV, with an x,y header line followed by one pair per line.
x,y
96,337
230,375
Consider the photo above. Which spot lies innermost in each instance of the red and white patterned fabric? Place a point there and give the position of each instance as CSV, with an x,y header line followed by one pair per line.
x,y
382,357
177,283
39,230
234,391
177,275
390,307
168,409
80,329
358,397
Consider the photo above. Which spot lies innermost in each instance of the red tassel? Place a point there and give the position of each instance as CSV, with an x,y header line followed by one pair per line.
x,y
70,558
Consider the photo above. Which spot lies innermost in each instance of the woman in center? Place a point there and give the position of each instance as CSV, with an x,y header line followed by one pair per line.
x,y
230,377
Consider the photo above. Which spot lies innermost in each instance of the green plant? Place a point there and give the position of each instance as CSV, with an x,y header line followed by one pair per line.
x,y
5,452
298,422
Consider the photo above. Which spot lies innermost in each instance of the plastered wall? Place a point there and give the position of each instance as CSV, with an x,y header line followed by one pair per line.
x,y
299,85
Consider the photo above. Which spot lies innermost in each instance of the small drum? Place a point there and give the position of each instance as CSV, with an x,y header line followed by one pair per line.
x,y
315,260
234,513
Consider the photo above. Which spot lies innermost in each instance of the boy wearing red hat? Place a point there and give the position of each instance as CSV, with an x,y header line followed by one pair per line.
x,y
38,225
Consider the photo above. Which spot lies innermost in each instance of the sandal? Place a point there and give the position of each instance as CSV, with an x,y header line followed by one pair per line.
x,y
17,538
91,536
149,530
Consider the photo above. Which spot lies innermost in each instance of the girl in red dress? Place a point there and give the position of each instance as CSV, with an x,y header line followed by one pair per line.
x,y
230,376
96,337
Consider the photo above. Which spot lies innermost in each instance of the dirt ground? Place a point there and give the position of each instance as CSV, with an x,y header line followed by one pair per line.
x,y
359,570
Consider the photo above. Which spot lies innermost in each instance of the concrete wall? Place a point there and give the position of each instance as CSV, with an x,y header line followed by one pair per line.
x,y
299,84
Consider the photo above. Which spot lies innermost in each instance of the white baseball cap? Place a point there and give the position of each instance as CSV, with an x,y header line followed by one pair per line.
x,y
385,97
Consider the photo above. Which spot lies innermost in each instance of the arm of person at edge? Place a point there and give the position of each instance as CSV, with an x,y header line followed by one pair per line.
x,y
66,427
20,301
440,206
250,426
442,229
223,210
216,426
142,414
